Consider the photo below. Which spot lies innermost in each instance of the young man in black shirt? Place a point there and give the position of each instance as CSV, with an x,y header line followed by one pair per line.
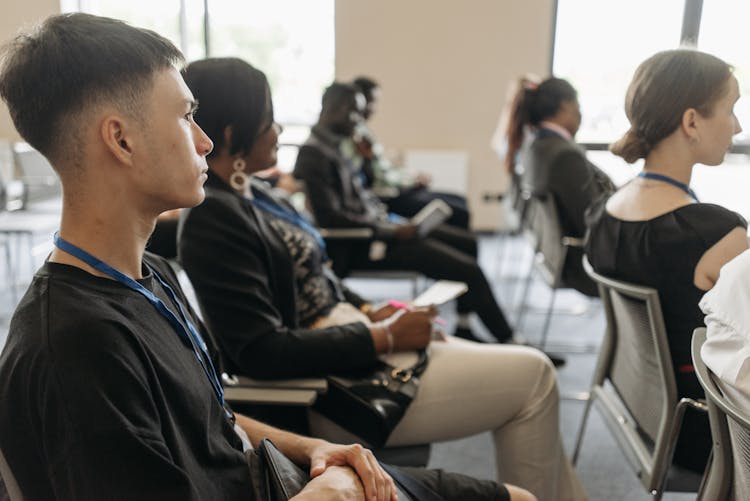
x,y
107,379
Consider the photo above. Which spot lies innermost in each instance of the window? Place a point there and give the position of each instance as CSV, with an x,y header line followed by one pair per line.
x,y
163,17
291,41
599,57
598,46
723,33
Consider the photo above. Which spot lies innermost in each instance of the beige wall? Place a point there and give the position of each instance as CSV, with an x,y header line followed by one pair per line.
x,y
15,15
444,67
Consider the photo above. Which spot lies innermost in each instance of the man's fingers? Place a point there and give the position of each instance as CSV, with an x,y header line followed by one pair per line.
x,y
358,460
384,488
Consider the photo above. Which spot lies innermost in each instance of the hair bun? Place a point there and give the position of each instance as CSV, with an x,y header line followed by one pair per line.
x,y
631,147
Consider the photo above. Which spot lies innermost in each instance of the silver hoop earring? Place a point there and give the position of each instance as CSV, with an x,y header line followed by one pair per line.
x,y
239,180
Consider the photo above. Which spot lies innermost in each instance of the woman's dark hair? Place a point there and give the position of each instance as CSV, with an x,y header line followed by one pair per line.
x,y
230,93
53,76
663,87
531,105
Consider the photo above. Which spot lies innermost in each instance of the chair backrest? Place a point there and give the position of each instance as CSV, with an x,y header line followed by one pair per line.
x,y
730,430
41,181
543,222
11,486
635,359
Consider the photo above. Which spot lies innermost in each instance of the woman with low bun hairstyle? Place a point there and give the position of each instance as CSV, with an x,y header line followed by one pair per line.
x,y
653,231
543,122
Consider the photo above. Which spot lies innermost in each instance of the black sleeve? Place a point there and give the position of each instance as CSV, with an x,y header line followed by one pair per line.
x,y
321,182
711,222
101,420
576,183
225,258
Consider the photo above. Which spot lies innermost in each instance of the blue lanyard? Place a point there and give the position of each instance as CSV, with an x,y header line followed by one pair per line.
x,y
264,202
673,182
190,335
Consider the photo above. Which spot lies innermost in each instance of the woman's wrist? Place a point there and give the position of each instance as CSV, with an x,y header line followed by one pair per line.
x,y
366,308
382,337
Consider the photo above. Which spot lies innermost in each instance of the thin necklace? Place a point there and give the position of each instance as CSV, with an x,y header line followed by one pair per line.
x,y
672,181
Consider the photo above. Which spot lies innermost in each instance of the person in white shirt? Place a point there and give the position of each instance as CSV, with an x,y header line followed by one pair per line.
x,y
727,348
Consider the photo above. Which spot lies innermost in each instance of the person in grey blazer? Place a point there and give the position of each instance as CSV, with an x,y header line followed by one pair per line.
x,y
552,164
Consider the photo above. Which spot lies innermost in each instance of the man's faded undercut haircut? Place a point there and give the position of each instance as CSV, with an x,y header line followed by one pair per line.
x,y
53,76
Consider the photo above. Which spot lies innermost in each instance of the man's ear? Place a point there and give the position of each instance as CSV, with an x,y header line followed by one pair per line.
x,y
116,133
689,124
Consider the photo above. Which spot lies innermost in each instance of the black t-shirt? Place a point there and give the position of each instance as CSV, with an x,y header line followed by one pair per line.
x,y
102,400
662,253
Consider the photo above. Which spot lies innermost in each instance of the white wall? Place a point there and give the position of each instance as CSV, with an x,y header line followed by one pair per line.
x,y
444,67
16,15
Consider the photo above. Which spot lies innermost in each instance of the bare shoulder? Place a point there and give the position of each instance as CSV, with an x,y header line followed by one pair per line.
x,y
731,245
634,202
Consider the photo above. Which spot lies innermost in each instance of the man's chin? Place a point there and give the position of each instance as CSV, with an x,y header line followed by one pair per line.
x,y
196,200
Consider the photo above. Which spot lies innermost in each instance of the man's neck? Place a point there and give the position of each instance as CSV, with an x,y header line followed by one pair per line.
x,y
116,238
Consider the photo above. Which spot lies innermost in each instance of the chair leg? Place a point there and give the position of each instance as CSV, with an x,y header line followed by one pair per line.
x,y
582,429
663,458
500,254
525,293
545,329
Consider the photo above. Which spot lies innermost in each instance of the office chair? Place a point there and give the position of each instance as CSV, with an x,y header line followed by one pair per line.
x,y
728,475
543,230
634,386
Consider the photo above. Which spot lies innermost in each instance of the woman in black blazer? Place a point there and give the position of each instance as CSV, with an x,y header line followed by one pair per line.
x,y
552,164
262,278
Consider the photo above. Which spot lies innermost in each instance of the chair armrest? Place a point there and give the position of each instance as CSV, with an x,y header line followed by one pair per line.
x,y
317,384
386,192
302,391
572,242
346,233
270,396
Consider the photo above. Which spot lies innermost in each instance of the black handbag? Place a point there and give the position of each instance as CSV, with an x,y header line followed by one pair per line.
x,y
371,403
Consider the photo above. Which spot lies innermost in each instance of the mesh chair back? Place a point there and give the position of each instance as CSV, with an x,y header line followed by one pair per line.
x,y
730,429
739,435
638,364
41,181
544,224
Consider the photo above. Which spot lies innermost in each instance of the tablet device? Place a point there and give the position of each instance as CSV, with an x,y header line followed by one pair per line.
x,y
431,215
440,293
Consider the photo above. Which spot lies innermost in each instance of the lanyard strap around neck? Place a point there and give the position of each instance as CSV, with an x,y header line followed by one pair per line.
x,y
264,202
672,181
184,329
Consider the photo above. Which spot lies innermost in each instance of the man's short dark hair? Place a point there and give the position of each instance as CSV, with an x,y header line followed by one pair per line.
x,y
338,94
51,76
231,93
366,86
